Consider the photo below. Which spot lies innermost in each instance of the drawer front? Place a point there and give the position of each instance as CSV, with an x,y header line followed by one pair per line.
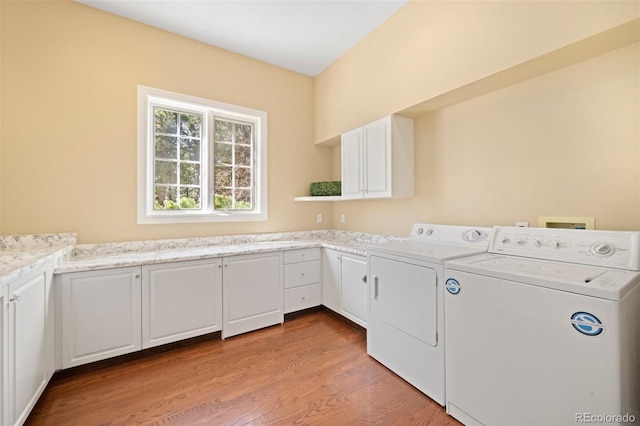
x,y
304,297
301,255
303,273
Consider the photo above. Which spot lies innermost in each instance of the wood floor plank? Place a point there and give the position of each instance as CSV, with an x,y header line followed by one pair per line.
x,y
312,370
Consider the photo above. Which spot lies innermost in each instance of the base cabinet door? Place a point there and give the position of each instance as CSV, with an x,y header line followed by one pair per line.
x,y
331,279
4,361
27,344
354,290
101,314
180,300
252,289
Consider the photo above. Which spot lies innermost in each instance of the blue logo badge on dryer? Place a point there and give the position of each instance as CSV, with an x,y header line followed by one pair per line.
x,y
587,323
452,286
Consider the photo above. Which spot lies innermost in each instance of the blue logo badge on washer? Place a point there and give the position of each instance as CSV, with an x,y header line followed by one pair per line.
x,y
452,286
587,323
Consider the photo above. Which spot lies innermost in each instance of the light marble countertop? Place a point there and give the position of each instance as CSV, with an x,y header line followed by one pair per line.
x,y
175,255
21,254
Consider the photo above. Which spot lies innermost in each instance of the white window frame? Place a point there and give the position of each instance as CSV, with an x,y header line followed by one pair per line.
x,y
148,98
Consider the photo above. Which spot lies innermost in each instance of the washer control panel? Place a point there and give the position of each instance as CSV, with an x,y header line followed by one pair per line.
x,y
616,249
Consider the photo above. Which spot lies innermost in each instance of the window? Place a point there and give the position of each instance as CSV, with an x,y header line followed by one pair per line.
x,y
199,160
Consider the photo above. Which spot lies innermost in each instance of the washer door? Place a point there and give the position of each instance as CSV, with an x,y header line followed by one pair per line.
x,y
404,296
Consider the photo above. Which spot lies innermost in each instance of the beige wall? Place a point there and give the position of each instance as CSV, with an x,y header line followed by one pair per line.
x,y
68,129
563,144
430,48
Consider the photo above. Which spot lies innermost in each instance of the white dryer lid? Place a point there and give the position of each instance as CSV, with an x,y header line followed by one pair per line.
x,y
434,252
595,281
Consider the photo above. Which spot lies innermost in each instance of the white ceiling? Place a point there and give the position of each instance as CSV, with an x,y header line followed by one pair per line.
x,y
304,36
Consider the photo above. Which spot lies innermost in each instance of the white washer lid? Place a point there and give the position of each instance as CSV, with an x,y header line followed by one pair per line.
x,y
595,281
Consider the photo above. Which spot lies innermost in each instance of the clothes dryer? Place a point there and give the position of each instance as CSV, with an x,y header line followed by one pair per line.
x,y
405,329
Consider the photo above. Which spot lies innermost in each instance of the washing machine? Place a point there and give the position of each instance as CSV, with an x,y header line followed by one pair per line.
x,y
544,329
405,328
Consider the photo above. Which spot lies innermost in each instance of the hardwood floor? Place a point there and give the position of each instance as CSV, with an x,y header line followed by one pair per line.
x,y
312,370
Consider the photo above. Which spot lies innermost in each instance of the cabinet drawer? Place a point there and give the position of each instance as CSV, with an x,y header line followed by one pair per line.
x,y
301,255
297,274
303,297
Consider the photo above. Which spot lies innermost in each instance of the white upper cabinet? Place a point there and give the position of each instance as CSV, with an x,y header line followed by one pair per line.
x,y
377,159
352,167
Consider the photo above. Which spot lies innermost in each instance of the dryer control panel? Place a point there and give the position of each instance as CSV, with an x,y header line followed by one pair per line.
x,y
613,249
427,232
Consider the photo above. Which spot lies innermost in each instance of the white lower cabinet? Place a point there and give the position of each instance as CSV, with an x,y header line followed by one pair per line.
x,y
302,272
180,300
331,279
26,354
354,290
344,285
111,312
4,354
101,314
252,290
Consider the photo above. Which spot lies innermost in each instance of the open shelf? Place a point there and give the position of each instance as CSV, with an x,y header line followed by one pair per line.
x,y
319,198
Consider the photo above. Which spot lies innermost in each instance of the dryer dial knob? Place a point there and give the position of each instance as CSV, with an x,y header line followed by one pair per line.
x,y
537,243
602,248
473,235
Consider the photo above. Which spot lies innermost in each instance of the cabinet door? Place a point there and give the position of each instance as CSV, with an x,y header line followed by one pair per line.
x,y
27,343
351,165
101,315
50,324
4,354
354,290
331,279
180,300
377,158
252,291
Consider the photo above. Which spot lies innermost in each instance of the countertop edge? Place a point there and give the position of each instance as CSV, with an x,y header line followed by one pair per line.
x,y
200,253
